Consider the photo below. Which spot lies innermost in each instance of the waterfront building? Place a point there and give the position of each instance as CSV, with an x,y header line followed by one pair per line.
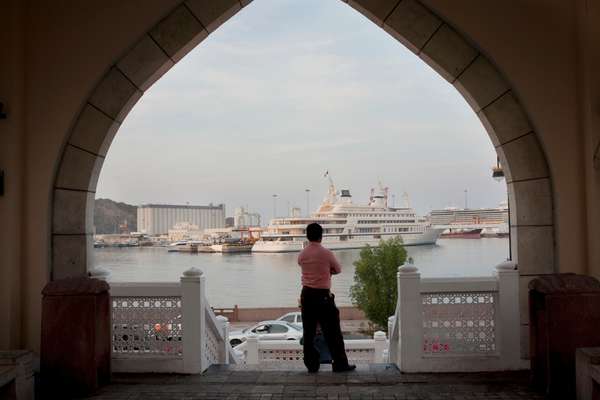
x,y
184,231
244,219
157,219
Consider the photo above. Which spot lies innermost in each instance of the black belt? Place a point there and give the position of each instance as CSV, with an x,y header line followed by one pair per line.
x,y
315,290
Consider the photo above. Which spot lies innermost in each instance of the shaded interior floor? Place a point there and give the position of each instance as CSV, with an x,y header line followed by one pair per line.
x,y
378,381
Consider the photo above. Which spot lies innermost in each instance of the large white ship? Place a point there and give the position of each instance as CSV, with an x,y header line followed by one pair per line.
x,y
349,226
472,223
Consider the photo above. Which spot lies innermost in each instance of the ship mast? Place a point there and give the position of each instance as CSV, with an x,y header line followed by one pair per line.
x,y
331,193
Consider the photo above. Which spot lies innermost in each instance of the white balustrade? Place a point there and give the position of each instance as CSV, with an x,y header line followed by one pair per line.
x,y
456,324
440,324
166,326
360,351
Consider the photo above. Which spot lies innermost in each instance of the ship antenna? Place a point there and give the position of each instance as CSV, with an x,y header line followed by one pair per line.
x,y
406,200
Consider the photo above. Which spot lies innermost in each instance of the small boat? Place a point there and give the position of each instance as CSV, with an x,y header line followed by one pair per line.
x,y
236,247
183,246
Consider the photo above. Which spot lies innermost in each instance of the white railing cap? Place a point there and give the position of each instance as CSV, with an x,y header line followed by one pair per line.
x,y
193,272
252,337
507,265
379,335
222,318
407,268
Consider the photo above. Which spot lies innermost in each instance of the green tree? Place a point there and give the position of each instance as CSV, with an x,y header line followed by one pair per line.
x,y
375,289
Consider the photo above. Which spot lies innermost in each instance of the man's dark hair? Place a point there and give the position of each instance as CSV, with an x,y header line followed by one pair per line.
x,y
314,232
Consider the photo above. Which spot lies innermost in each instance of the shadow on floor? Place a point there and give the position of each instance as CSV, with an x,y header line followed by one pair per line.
x,y
376,381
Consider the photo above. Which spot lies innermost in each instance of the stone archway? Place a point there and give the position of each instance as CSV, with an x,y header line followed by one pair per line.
x,y
410,22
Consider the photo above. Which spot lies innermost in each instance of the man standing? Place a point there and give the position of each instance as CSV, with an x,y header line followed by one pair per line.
x,y
318,305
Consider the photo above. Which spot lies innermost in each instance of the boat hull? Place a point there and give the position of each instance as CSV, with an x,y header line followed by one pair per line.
x,y
462,234
428,237
232,248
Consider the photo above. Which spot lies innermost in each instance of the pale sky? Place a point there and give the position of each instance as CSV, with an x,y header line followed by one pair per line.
x,y
286,90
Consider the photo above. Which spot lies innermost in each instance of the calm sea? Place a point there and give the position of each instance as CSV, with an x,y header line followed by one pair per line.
x,y
271,280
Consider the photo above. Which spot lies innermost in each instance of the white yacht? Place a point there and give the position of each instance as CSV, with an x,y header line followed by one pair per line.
x,y
349,226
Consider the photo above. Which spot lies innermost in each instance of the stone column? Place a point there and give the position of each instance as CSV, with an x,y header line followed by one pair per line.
x,y
225,335
410,325
507,319
392,350
193,289
380,346
252,349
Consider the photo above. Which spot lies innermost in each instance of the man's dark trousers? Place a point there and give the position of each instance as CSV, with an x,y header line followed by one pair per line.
x,y
318,306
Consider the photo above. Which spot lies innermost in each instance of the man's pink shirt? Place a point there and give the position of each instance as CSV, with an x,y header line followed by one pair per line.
x,y
318,264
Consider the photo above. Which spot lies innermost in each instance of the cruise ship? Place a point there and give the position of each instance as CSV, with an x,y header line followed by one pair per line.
x,y
349,226
472,223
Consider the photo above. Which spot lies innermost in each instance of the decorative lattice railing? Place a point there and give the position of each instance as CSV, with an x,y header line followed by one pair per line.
x,y
166,327
459,323
266,352
147,325
456,324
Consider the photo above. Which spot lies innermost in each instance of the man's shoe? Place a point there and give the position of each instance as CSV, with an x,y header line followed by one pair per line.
x,y
347,368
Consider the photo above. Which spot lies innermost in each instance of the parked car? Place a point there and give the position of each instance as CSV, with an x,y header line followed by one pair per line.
x,y
294,318
267,330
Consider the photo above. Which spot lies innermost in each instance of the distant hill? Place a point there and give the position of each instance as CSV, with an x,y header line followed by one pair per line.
x,y
108,215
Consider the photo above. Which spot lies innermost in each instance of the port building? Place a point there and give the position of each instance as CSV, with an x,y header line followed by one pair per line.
x,y
158,219
243,218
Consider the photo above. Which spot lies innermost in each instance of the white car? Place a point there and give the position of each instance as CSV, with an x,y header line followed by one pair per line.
x,y
294,318
267,330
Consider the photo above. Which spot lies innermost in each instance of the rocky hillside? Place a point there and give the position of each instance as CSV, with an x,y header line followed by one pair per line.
x,y
108,215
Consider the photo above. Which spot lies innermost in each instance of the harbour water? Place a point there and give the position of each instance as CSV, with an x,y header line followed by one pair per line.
x,y
272,280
